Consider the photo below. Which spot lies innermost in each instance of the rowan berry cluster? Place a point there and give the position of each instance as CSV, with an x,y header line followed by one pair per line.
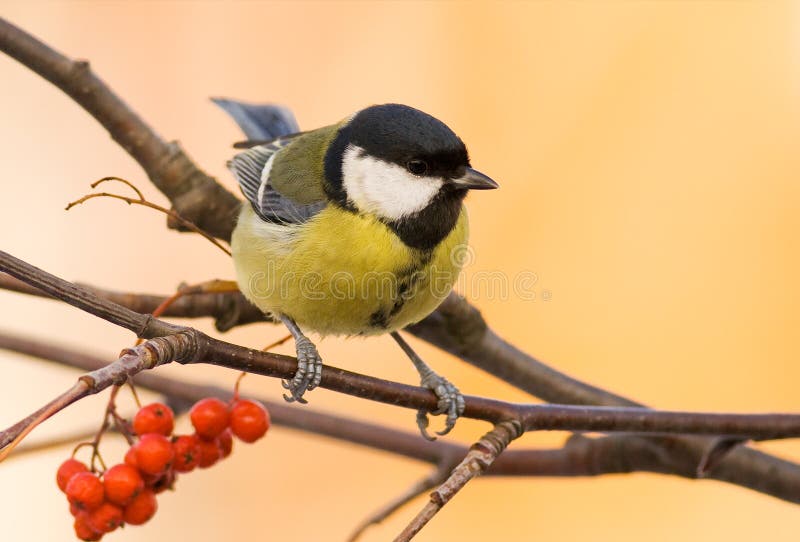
x,y
126,493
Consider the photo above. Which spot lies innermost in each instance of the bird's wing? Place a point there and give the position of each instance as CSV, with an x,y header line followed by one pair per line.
x,y
269,129
251,168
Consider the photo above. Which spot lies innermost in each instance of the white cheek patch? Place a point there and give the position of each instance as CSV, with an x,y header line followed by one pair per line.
x,y
384,189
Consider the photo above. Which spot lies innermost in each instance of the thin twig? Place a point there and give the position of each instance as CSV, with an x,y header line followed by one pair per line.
x,y
11,437
436,477
126,182
51,443
144,203
479,458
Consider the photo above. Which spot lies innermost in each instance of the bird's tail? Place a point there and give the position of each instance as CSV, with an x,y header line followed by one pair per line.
x,y
260,123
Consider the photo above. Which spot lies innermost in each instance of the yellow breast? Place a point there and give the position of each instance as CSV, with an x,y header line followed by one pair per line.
x,y
343,273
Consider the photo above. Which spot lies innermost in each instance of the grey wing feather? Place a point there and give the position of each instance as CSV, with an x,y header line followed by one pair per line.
x,y
248,168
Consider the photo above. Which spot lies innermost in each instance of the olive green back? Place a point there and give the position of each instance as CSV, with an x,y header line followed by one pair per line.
x,y
298,171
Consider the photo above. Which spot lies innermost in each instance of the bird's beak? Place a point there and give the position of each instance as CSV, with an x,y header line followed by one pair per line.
x,y
474,180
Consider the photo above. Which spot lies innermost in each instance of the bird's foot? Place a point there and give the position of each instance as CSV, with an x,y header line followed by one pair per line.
x,y
309,371
451,402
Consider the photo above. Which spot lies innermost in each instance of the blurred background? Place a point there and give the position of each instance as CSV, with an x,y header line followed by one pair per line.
x,y
648,159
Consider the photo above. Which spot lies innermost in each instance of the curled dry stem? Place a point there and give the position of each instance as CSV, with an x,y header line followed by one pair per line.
x,y
145,203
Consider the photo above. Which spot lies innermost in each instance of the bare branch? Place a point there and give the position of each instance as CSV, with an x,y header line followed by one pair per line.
x,y
194,195
479,458
301,418
143,325
229,310
157,351
581,456
458,327
436,477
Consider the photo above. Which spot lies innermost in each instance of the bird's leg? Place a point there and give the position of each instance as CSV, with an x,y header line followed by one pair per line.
x,y
309,364
450,399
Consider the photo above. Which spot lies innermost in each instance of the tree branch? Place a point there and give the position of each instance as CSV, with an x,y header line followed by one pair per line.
x,y
228,310
194,195
581,456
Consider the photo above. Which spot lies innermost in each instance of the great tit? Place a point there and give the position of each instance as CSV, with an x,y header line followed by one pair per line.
x,y
357,228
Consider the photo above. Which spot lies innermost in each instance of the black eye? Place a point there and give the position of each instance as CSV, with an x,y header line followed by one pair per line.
x,y
417,167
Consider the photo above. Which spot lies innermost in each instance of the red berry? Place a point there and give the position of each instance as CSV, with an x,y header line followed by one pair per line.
x,y
74,510
225,443
249,420
209,452
130,457
67,469
83,530
141,508
85,491
209,417
105,518
187,453
153,453
154,418
122,483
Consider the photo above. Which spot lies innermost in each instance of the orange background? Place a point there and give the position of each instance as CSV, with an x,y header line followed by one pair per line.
x,y
648,158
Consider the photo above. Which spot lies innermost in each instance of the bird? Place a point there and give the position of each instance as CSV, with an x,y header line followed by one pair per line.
x,y
357,228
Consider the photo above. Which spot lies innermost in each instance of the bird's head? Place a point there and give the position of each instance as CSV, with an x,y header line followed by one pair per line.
x,y
395,162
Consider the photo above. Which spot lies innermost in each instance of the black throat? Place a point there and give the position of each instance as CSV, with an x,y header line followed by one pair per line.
x,y
425,229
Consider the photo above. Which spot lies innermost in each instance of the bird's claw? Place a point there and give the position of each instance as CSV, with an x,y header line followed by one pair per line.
x,y
451,402
309,372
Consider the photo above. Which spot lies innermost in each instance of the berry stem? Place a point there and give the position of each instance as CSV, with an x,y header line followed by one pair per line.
x,y
110,414
236,386
277,343
134,393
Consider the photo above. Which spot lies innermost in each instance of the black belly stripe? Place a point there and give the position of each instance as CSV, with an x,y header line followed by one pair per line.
x,y
407,278
379,319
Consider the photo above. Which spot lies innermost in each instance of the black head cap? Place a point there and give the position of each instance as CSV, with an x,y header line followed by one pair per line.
x,y
401,135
